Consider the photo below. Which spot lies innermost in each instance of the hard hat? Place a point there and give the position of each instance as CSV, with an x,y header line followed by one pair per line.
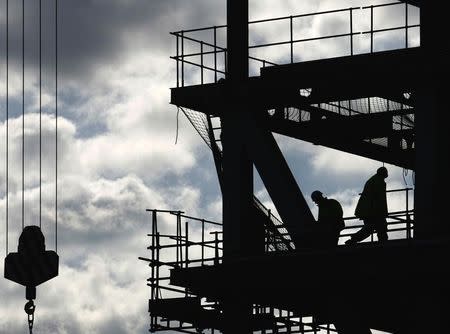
x,y
316,194
382,171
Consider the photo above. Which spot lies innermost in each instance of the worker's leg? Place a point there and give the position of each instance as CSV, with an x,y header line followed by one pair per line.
x,y
381,227
330,238
363,233
335,238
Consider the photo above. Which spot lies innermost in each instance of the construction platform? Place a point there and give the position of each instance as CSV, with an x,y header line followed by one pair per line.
x,y
382,285
371,115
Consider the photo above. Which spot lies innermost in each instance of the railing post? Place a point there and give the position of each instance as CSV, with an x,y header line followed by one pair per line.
x,y
406,25
268,237
156,282
187,243
408,218
152,280
177,240
216,248
371,29
203,242
182,58
351,31
178,60
225,59
215,54
201,61
291,26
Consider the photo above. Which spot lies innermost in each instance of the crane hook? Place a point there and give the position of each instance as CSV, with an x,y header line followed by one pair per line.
x,y
29,310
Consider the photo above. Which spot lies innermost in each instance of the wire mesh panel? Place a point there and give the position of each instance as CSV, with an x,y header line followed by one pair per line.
x,y
200,123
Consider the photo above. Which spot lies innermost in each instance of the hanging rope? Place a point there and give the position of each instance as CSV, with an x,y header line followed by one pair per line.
x,y
7,124
176,135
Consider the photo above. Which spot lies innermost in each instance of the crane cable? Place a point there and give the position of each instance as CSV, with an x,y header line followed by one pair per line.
x,y
29,308
7,124
23,114
56,126
23,120
40,114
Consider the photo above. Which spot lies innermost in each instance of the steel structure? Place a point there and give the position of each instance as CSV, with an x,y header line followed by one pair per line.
x,y
256,273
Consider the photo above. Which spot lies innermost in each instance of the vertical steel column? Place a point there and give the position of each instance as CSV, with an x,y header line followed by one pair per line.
x,y
237,40
237,167
432,135
432,161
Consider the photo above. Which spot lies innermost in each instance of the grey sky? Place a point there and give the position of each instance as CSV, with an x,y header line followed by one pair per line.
x,y
118,155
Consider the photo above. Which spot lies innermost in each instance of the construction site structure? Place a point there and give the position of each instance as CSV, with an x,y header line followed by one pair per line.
x,y
257,273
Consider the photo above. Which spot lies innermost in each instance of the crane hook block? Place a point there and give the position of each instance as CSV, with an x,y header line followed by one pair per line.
x,y
32,264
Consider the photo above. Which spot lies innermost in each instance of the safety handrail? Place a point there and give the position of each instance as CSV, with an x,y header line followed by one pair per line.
x,y
181,36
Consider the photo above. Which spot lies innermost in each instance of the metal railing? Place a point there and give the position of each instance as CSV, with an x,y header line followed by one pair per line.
x,y
217,66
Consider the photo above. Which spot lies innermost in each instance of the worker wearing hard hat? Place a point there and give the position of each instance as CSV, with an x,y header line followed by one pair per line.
x,y
372,208
330,219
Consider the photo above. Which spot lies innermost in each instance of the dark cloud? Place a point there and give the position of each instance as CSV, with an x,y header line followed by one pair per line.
x,y
94,33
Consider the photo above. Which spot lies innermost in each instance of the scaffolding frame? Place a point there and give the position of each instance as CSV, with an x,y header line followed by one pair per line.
x,y
188,247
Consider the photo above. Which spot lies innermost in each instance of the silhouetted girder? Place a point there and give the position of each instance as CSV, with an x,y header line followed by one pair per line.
x,y
279,181
189,310
266,94
399,97
416,3
384,285
259,215
334,79
346,142
388,73
185,309
347,133
360,126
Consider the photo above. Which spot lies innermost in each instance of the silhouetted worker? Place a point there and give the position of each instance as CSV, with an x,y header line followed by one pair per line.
x,y
330,219
372,208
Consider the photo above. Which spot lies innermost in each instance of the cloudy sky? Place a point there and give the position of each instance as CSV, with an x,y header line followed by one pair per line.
x,y
119,150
